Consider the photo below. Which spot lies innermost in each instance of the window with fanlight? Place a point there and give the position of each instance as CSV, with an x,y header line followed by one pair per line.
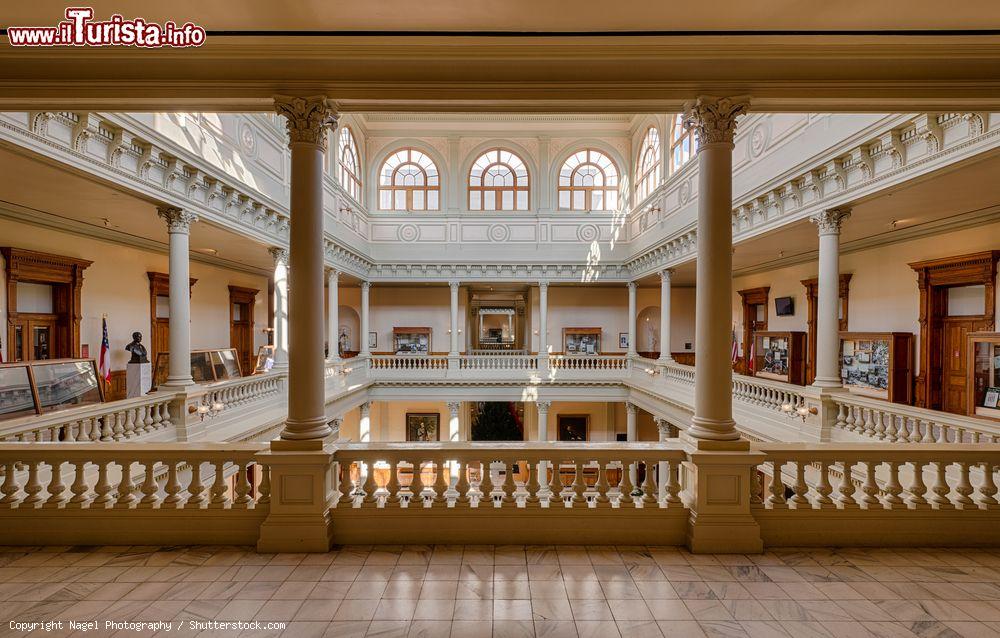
x,y
683,144
498,181
648,169
349,164
409,180
588,180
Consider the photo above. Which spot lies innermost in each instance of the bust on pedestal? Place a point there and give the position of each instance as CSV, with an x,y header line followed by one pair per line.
x,y
139,374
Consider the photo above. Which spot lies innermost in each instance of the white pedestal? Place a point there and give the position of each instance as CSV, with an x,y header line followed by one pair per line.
x,y
138,379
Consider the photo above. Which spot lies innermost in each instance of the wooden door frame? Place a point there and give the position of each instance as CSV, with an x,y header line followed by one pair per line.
x,y
159,286
751,297
934,277
247,296
65,274
812,302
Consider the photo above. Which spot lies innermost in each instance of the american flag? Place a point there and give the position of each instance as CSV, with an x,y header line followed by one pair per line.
x,y
736,348
104,363
751,357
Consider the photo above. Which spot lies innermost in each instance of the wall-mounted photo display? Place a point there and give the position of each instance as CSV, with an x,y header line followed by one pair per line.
x,y
372,340
423,426
573,427
983,381
623,340
877,364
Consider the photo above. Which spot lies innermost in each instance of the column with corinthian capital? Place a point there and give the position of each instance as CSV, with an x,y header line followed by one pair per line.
x,y
280,257
714,121
333,314
828,298
307,120
179,229
665,275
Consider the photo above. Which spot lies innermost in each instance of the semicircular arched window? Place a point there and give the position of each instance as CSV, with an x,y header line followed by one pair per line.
x,y
349,164
409,180
683,144
498,181
648,169
588,180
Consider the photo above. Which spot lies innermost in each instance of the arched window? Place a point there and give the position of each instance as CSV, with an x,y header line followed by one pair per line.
x,y
498,181
588,180
683,144
647,175
409,180
349,164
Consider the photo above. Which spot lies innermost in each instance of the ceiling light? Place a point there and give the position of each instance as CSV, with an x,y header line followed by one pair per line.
x,y
208,251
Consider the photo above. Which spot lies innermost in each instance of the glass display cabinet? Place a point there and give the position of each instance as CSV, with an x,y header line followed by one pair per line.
x,y
39,387
411,340
582,340
207,366
264,360
983,390
878,364
780,356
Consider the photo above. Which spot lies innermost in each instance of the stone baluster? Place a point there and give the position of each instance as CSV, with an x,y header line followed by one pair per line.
x,y
33,488
917,489
987,491
173,486
941,489
220,499
56,486
892,487
126,487
776,500
845,498
964,488
103,488
150,497
824,489
10,487
243,499
196,487
80,487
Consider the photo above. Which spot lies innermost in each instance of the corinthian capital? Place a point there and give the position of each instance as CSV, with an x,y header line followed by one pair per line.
x,y
307,118
714,118
829,221
279,255
178,221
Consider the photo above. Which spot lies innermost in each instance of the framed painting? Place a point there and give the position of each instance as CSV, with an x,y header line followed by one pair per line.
x,y
423,426
573,427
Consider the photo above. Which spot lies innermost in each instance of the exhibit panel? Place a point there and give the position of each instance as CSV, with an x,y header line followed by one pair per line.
x,y
207,366
779,356
984,374
878,364
48,386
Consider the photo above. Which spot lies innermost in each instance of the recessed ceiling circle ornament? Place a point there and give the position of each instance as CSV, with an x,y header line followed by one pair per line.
x,y
759,139
499,232
587,232
247,139
408,232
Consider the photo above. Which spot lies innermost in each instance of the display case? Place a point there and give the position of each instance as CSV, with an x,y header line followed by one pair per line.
x,y
264,360
582,340
207,366
409,340
983,388
780,356
38,387
878,364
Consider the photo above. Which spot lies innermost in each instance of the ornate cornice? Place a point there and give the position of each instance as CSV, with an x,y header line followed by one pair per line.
x,y
714,118
307,118
178,221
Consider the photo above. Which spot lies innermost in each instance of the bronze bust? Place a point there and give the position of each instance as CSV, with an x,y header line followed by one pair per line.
x,y
137,349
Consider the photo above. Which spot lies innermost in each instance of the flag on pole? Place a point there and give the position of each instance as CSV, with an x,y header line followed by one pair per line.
x,y
751,357
736,347
104,363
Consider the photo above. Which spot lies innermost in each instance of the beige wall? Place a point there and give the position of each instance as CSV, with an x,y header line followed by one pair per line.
x,y
883,293
116,284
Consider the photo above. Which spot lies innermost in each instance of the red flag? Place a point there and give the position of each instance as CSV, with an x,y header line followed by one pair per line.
x,y
104,363
751,363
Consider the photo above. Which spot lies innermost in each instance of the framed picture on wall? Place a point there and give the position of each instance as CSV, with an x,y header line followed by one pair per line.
x,y
372,340
623,340
423,426
573,427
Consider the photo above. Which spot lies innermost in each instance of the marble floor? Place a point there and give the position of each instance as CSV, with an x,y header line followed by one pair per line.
x,y
476,591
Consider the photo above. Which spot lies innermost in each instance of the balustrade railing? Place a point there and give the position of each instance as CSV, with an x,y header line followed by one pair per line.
x,y
237,392
915,478
494,362
104,422
770,395
589,362
895,423
408,362
442,475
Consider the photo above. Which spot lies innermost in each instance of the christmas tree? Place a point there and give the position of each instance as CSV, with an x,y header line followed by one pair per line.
x,y
496,421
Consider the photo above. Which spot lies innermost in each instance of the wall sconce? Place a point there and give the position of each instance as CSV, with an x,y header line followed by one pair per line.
x,y
204,409
652,372
798,411
346,371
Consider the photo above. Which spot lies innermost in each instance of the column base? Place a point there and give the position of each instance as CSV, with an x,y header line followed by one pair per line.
x,y
295,534
712,429
717,492
303,430
177,383
302,482
827,383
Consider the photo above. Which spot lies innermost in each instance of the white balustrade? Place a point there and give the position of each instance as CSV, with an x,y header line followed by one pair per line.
x,y
765,393
590,362
103,422
896,423
408,362
498,361
237,392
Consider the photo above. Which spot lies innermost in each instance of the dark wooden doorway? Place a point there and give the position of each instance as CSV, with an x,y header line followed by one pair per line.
x,y
812,291
241,308
159,313
754,319
45,323
943,353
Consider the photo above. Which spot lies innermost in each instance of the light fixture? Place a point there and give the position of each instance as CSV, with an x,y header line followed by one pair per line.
x,y
798,410
652,372
205,409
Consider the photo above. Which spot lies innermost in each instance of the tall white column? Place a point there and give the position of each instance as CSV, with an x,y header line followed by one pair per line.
x,y
665,275
179,229
454,430
333,314
663,428
280,256
631,317
307,120
543,312
365,422
543,419
631,422
714,120
828,298
454,318
365,323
